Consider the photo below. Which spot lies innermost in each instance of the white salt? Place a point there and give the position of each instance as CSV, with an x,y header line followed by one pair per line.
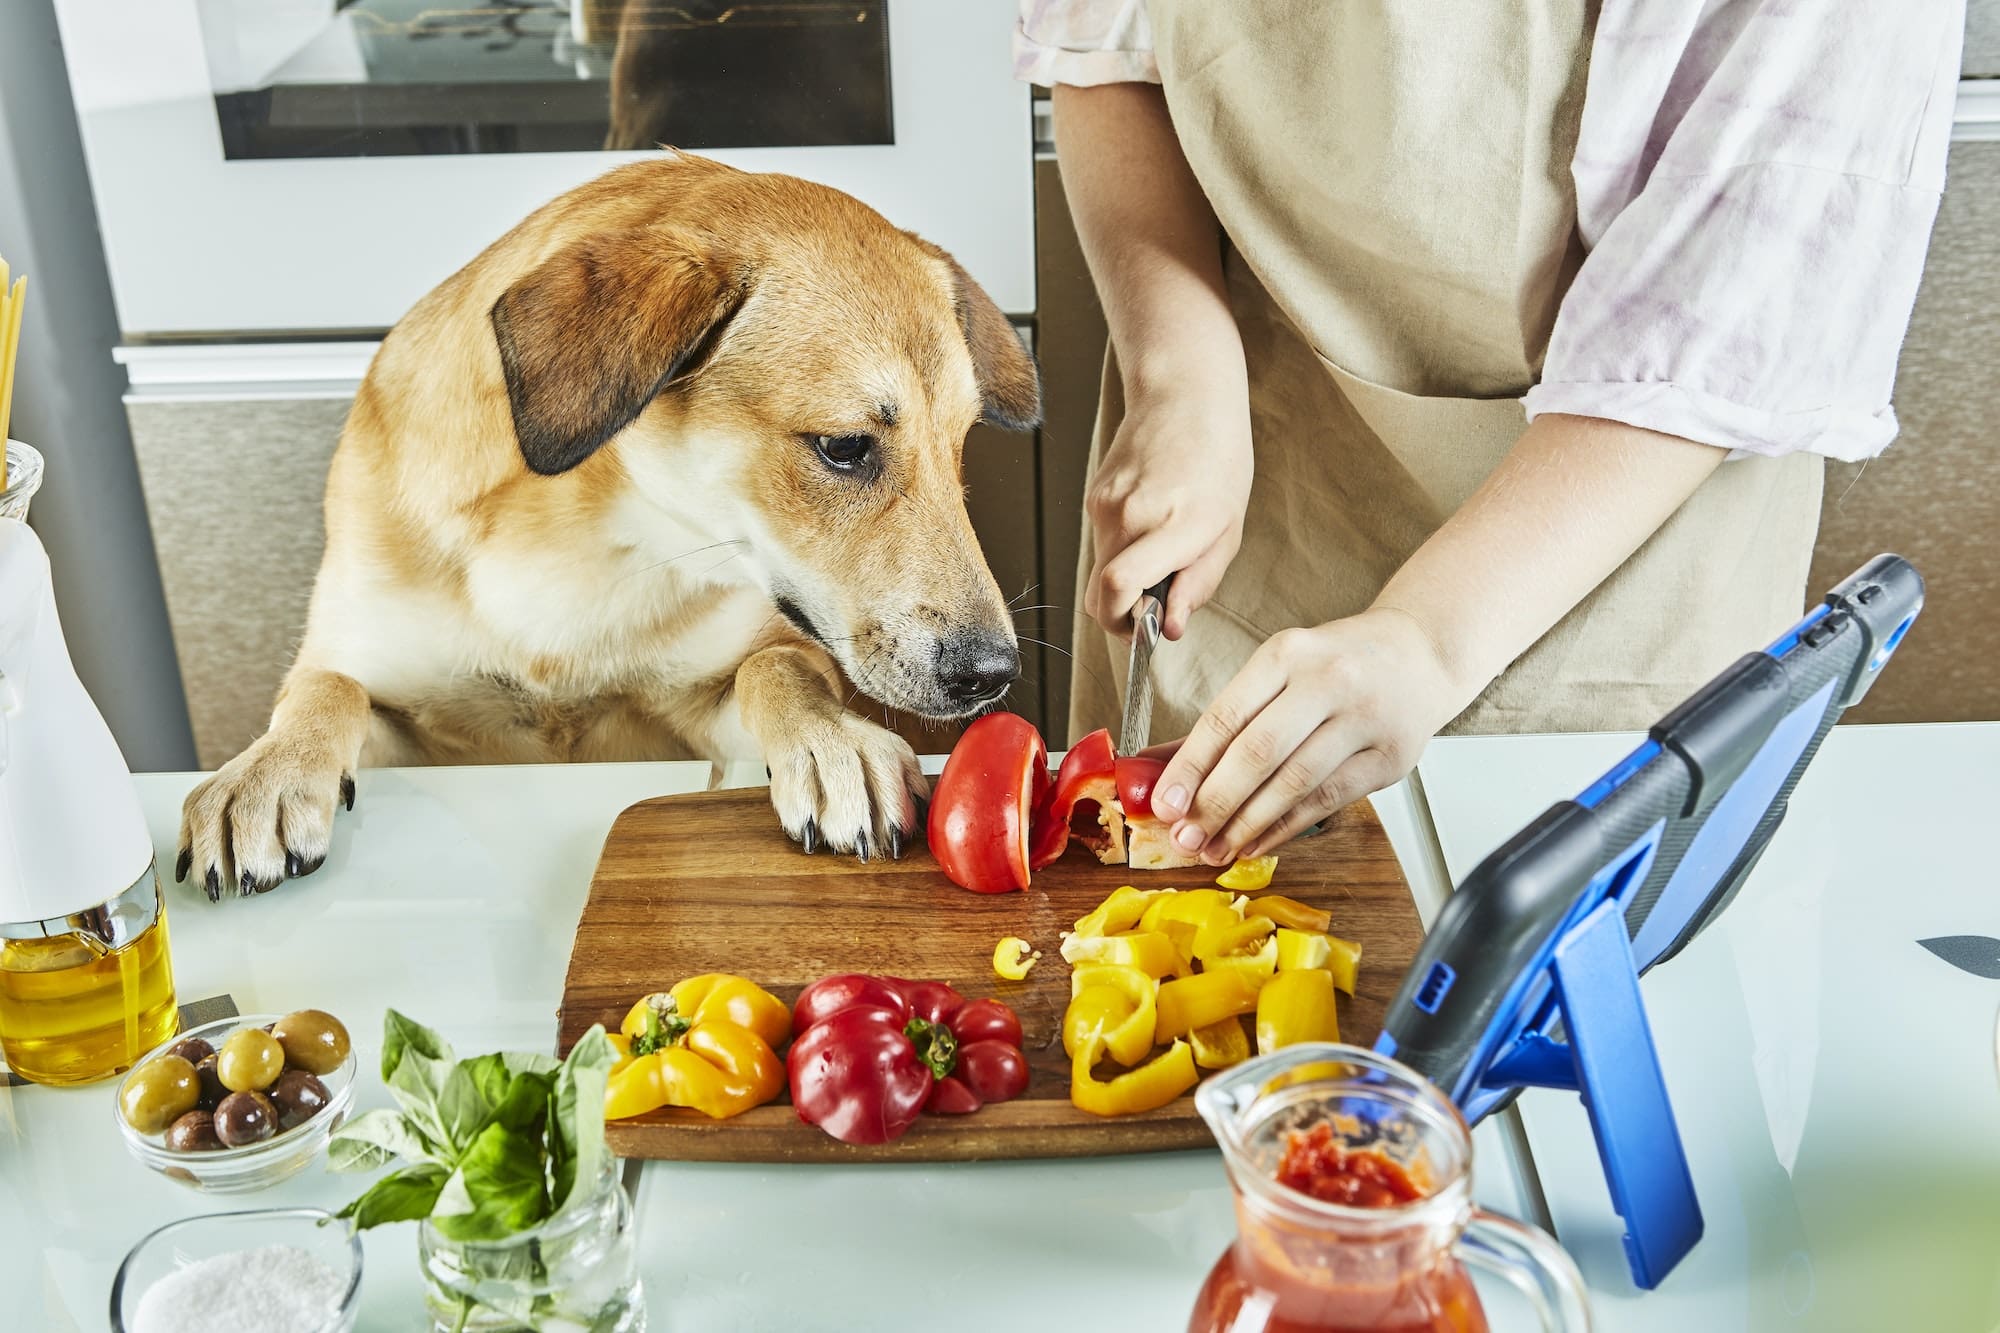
x,y
276,1289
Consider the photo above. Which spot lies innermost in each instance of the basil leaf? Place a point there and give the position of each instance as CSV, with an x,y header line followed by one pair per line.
x,y
530,1062
500,1179
471,1091
416,1062
576,1134
373,1139
400,1196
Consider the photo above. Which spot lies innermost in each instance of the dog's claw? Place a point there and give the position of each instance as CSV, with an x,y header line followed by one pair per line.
x,y
895,844
861,848
213,885
182,863
294,867
347,789
809,837
246,884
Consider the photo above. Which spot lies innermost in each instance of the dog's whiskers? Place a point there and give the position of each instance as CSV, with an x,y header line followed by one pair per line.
x,y
712,546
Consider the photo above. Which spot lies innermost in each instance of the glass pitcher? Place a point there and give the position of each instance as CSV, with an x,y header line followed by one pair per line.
x,y
1300,1264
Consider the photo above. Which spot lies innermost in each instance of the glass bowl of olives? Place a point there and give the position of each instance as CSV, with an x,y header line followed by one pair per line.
x,y
240,1103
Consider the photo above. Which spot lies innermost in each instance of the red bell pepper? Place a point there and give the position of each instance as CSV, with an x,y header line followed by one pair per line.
x,y
985,801
1136,775
1077,803
868,1060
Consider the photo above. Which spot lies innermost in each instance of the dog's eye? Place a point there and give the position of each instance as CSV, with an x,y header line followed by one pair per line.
x,y
845,453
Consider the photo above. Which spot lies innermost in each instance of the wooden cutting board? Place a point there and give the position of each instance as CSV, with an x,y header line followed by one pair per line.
x,y
709,883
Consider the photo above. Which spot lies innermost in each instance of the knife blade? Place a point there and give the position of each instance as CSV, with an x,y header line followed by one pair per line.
x,y
1147,614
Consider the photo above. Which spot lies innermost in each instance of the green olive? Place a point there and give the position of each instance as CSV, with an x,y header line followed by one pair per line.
x,y
249,1061
158,1093
314,1040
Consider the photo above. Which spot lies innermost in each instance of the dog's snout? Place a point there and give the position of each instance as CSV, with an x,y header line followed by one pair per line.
x,y
977,668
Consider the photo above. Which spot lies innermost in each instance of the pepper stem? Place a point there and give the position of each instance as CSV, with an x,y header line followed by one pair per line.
x,y
665,1025
936,1047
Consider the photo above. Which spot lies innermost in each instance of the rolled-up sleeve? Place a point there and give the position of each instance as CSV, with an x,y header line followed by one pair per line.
x,y
1756,187
1083,43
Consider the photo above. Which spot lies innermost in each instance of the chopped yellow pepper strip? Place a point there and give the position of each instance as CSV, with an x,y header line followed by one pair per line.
x,y
1145,1088
1112,1008
1288,912
1192,907
1298,949
1296,1007
1013,958
1255,968
1220,1045
1200,1000
1148,950
1249,876
1182,933
1121,911
1344,961
1221,936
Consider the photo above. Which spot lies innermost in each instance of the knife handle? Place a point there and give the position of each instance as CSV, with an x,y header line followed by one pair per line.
x,y
1157,594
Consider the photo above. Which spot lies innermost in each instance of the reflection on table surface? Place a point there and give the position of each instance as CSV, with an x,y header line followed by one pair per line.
x,y
369,78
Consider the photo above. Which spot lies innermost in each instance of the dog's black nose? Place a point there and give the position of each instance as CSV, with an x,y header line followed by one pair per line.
x,y
978,668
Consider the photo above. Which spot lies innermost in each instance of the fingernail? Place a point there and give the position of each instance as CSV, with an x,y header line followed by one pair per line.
x,y
1189,838
1173,800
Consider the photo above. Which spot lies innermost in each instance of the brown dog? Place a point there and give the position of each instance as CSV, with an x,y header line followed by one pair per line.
x,y
645,480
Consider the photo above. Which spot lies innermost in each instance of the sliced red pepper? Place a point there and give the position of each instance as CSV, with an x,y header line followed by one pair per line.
x,y
984,805
1084,779
1136,775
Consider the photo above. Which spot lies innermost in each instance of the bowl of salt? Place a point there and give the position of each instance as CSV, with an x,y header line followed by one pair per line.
x,y
280,1270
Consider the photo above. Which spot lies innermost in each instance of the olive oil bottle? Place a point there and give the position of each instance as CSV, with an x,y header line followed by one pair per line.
x,y
83,997
86,985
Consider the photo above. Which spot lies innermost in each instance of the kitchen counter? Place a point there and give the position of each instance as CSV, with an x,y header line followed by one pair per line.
x,y
451,894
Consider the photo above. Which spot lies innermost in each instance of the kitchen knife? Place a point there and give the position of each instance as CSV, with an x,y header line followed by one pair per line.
x,y
1147,614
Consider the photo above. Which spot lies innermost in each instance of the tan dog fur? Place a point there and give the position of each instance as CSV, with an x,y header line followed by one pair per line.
x,y
503,583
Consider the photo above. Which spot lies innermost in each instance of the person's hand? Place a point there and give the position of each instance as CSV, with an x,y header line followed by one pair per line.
x,y
1168,498
1317,718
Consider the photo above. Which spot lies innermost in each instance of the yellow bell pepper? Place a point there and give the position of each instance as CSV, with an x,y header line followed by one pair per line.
x,y
1344,961
1113,1008
1249,876
1220,1045
1192,906
711,996
1223,936
1296,1007
1121,911
1182,933
1301,949
707,1044
1148,950
1151,1085
1288,912
1255,968
1197,1001
1013,957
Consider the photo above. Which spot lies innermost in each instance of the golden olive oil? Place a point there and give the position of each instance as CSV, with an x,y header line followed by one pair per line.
x,y
74,1011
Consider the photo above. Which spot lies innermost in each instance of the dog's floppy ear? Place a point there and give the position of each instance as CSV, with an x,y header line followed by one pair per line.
x,y
1010,389
592,335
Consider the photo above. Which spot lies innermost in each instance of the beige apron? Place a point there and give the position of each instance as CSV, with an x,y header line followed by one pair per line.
x,y
1393,179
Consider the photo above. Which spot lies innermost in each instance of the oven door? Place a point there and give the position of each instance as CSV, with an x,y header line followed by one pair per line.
x,y
313,166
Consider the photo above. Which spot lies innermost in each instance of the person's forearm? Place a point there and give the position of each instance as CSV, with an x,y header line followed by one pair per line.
x,y
1571,500
1148,233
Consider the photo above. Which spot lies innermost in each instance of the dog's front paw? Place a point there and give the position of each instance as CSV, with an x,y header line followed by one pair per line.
x,y
266,816
848,784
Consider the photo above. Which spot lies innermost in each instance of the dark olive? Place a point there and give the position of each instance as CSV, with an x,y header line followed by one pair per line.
x,y
299,1097
191,1049
212,1091
249,1060
193,1132
314,1040
157,1093
244,1118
